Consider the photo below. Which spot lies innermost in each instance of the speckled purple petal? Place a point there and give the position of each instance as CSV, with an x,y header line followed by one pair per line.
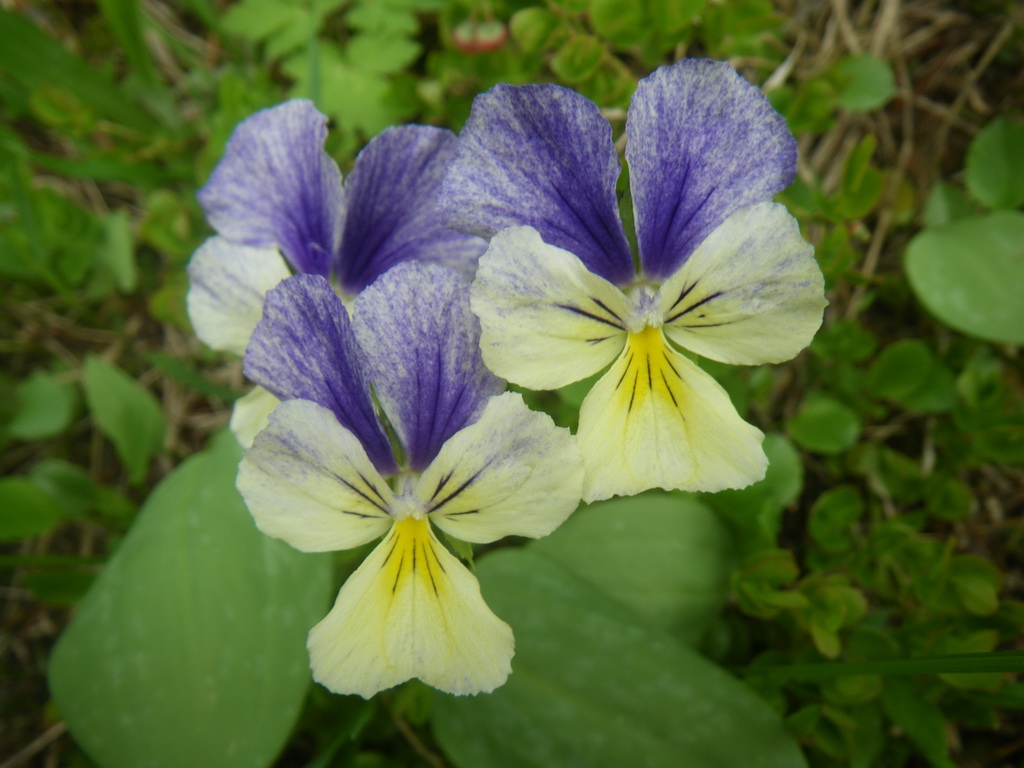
x,y
304,347
422,348
276,186
540,155
391,200
703,142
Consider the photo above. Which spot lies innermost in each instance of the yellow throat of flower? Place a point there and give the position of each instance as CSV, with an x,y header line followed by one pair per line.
x,y
411,555
647,370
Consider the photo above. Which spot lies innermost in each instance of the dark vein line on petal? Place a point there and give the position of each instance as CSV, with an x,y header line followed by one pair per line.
x,y
583,312
694,306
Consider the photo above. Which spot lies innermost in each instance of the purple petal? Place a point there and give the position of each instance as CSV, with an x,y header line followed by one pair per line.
x,y
703,142
276,186
304,348
391,203
542,156
423,355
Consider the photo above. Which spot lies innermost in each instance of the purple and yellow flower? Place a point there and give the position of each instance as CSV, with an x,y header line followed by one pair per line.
x,y
462,456
721,271
278,204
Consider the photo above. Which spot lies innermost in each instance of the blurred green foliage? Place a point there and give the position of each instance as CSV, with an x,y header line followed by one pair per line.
x,y
882,531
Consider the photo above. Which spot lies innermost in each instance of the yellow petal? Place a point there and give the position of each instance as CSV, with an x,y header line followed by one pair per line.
x,y
411,610
655,420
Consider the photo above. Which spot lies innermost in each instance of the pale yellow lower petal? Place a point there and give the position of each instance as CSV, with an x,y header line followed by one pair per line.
x,y
251,414
411,610
655,420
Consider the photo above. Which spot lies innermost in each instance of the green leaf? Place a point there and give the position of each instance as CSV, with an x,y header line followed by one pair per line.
x,y
920,719
118,251
862,182
32,59
382,54
45,407
189,650
68,484
27,510
624,22
125,19
126,413
684,549
824,425
977,582
592,686
756,511
995,164
534,28
970,274
946,203
865,82
358,100
908,373
833,516
578,58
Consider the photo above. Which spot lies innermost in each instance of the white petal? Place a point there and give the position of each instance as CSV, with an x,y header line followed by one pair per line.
x,y
546,321
655,420
307,480
251,415
513,472
751,293
411,610
228,283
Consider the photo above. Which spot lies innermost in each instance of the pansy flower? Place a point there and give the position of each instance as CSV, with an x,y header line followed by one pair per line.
x,y
721,271
471,461
277,202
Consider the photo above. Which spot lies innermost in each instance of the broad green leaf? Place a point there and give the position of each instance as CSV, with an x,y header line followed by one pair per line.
x,y
25,509
591,686
995,164
32,58
126,413
45,407
824,425
189,649
970,274
667,557
865,82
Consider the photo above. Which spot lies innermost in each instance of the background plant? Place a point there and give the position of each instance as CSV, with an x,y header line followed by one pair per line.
x,y
889,526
